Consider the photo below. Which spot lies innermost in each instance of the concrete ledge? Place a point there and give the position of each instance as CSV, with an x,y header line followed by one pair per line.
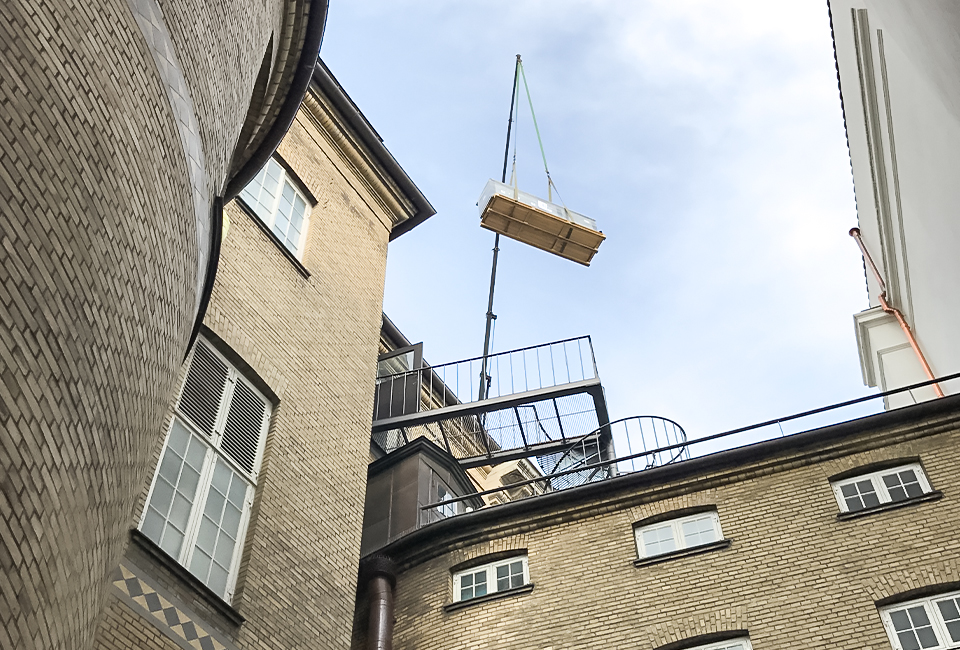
x,y
683,552
497,595
936,495
201,590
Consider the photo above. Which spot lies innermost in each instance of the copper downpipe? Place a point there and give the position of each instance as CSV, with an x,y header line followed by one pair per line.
x,y
378,573
885,306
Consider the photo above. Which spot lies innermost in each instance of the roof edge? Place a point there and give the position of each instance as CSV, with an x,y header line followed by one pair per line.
x,y
367,135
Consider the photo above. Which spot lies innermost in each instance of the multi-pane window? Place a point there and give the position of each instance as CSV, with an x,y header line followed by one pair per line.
x,y
876,488
733,644
677,534
200,499
490,578
924,624
282,207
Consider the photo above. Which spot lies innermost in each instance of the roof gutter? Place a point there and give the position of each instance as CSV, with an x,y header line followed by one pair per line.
x,y
337,96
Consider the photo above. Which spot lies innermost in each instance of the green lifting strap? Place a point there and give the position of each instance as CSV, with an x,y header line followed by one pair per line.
x,y
550,184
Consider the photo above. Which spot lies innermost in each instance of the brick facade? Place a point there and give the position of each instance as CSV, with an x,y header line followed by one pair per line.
x,y
307,331
793,575
118,126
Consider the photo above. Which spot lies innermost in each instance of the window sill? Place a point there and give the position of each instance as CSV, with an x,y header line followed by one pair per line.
x,y
297,264
497,595
683,552
204,592
936,495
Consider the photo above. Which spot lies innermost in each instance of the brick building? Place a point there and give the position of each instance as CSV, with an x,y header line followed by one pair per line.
x,y
840,537
124,126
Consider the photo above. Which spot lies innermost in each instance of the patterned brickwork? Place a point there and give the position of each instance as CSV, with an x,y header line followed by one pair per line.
x,y
794,575
98,277
313,341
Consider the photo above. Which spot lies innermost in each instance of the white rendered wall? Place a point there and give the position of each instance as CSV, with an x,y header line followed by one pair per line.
x,y
899,64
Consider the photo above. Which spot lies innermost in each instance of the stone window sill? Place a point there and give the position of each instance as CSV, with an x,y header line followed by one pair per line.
x,y
201,590
936,495
497,595
683,552
297,264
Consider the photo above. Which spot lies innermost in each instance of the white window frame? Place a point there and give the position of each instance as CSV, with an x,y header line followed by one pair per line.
x,y
676,525
934,616
270,219
876,479
491,577
742,643
212,455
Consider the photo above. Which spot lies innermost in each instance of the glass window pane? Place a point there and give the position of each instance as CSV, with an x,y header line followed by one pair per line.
x,y
950,611
238,491
200,565
162,495
207,536
698,531
217,580
224,552
179,437
152,525
913,628
171,541
231,520
180,512
214,508
196,453
657,541
221,477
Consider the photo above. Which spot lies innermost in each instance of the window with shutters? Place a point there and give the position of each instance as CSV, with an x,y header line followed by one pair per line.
x,y
199,502
282,207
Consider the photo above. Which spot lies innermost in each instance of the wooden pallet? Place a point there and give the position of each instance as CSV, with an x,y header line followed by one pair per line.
x,y
541,229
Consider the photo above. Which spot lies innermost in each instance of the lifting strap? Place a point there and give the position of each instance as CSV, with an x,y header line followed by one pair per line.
x,y
551,186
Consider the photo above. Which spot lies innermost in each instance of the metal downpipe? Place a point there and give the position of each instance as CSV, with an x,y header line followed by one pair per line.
x,y
885,306
378,572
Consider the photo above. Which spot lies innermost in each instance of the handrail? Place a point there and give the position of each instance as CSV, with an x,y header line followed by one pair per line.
x,y
715,436
498,354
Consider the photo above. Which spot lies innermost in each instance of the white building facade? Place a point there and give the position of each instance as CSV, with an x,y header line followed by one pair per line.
x,y
898,63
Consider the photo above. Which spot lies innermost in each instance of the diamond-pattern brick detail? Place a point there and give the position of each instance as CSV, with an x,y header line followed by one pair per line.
x,y
171,618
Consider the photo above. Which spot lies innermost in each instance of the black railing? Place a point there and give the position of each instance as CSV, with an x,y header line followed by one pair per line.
x,y
517,371
635,461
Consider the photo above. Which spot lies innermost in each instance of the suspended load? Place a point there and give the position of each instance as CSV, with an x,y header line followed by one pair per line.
x,y
550,227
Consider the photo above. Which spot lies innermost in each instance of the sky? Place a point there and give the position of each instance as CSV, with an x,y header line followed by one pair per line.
x,y
707,140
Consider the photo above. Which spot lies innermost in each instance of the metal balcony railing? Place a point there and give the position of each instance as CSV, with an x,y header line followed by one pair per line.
x,y
534,368
653,446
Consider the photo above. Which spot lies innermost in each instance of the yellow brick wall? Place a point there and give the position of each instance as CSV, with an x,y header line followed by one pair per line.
x,y
313,341
794,576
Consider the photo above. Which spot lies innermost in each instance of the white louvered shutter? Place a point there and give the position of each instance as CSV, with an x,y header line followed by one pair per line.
x,y
205,388
245,427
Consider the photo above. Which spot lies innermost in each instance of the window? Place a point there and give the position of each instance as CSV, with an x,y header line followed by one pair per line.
x,y
732,644
199,503
926,623
677,534
280,205
885,486
445,509
490,578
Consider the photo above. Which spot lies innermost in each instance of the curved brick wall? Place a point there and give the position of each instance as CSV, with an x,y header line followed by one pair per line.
x,y
118,124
